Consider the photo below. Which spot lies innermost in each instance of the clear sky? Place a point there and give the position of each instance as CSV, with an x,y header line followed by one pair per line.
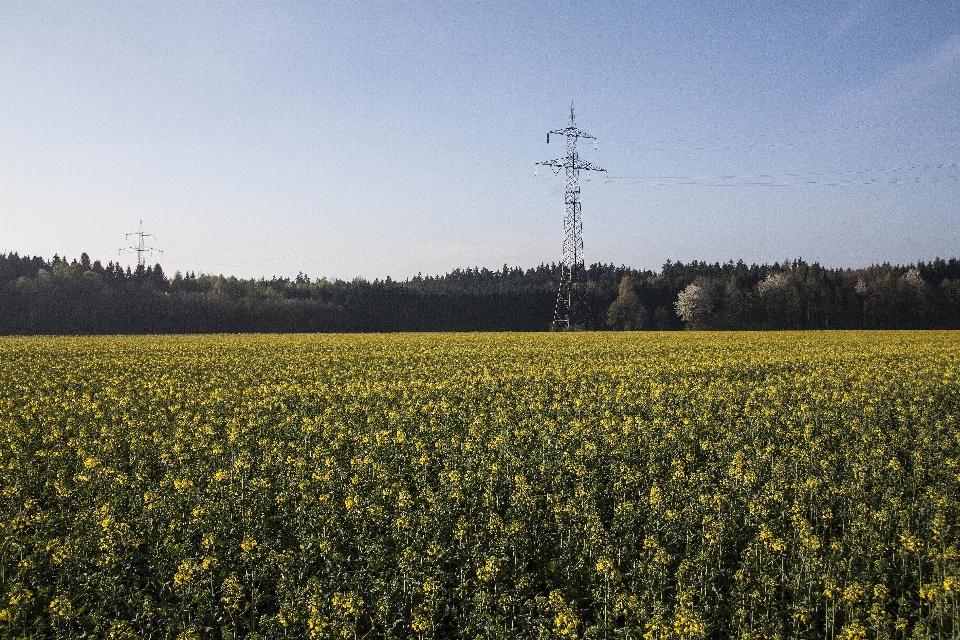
x,y
397,137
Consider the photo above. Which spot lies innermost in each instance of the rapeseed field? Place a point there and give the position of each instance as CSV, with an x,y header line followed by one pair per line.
x,y
642,485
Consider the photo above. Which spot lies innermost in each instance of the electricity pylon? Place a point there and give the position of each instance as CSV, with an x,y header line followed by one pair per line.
x,y
141,248
571,268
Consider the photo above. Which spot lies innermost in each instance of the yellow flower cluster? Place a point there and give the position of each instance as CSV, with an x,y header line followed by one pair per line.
x,y
509,485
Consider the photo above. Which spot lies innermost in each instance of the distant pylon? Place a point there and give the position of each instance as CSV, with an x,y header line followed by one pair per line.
x,y
571,268
141,248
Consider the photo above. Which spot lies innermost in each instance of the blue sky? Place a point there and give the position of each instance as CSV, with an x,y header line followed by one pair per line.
x,y
391,138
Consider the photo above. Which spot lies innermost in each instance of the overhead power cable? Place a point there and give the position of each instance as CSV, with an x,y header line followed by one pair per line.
x,y
743,141
796,178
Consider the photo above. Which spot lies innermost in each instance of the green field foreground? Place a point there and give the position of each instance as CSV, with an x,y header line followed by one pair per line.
x,y
631,485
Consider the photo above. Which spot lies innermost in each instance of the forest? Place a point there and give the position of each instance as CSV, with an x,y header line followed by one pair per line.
x,y
76,297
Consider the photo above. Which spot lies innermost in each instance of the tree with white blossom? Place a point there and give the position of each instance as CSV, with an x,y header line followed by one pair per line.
x,y
694,303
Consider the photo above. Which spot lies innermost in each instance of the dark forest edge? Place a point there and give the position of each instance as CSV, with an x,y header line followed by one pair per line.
x,y
78,296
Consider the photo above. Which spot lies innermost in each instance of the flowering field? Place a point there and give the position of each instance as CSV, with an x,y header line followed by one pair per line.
x,y
491,485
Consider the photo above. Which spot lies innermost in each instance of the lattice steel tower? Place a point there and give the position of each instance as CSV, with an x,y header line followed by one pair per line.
x,y
141,247
571,268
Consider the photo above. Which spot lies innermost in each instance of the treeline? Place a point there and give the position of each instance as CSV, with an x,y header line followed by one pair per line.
x,y
795,295
78,296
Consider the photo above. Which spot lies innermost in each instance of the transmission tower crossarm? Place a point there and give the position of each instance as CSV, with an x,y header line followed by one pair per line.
x,y
588,166
568,163
570,132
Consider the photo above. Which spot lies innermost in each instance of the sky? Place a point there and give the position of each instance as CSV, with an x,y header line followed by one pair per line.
x,y
376,139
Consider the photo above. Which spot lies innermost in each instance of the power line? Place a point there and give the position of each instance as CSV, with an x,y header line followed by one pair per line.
x,y
915,167
806,145
660,144
845,176
932,180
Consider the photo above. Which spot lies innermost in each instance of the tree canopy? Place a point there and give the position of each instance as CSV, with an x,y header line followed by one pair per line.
x,y
61,296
